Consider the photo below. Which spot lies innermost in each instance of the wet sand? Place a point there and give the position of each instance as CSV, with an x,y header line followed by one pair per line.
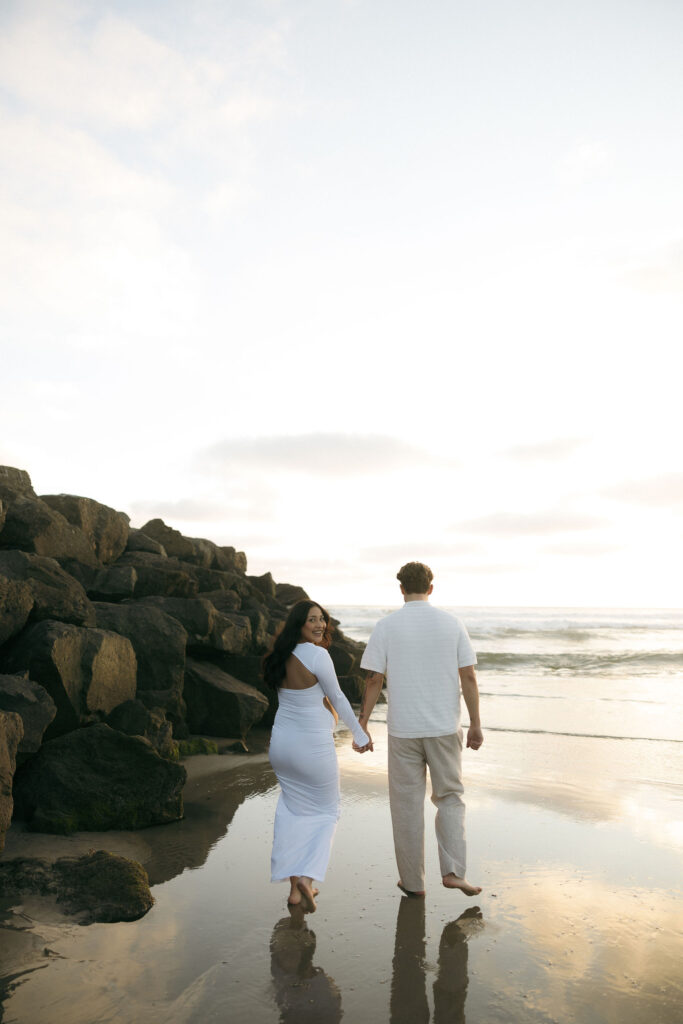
x,y
576,841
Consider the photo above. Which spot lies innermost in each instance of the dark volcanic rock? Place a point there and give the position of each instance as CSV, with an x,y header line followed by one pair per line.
x,y
99,886
31,525
248,669
223,600
172,540
219,704
3,513
83,670
56,595
33,703
16,603
205,625
288,594
104,527
96,779
113,583
265,584
139,541
11,732
15,483
160,576
158,641
133,718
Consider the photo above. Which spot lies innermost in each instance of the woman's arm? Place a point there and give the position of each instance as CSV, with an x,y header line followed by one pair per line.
x,y
327,677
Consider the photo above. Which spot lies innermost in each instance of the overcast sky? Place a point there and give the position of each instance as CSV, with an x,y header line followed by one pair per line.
x,y
346,283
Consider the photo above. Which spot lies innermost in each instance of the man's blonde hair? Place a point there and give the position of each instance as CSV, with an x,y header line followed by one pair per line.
x,y
415,577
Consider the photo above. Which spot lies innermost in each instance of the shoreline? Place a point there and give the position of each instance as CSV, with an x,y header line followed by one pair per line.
x,y
579,920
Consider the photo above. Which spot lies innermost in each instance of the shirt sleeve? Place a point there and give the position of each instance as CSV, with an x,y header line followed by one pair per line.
x,y
375,654
466,654
323,669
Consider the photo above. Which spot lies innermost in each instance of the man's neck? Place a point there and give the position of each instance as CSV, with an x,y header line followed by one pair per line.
x,y
415,597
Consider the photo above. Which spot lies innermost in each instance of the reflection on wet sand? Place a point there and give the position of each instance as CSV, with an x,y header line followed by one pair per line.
x,y
302,992
409,981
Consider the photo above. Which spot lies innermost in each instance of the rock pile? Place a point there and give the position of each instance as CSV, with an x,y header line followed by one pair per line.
x,y
114,643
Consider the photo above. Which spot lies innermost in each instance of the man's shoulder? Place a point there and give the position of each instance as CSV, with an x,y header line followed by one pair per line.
x,y
449,620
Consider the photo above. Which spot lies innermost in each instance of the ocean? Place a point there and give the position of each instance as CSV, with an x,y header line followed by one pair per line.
x,y
605,673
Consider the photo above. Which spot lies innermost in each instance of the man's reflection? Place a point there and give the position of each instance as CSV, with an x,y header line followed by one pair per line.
x,y
409,983
304,993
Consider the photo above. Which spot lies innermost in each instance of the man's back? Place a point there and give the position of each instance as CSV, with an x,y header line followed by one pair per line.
x,y
420,649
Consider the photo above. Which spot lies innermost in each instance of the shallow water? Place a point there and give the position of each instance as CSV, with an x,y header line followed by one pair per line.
x,y
577,844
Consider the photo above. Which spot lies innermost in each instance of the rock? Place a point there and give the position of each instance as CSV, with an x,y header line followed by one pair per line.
x,y
113,583
219,704
260,637
16,604
205,625
248,669
3,513
33,703
237,559
353,686
15,483
342,659
104,527
133,718
83,670
11,732
265,584
56,595
95,779
288,595
173,706
99,886
172,540
160,576
223,600
139,541
158,640
31,525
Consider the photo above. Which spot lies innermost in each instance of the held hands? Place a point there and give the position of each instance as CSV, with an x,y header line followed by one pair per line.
x,y
367,746
475,737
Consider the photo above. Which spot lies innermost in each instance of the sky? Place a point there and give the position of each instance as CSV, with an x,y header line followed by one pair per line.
x,y
350,283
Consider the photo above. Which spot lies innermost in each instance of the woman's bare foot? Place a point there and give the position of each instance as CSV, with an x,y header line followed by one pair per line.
x,y
307,894
452,881
294,898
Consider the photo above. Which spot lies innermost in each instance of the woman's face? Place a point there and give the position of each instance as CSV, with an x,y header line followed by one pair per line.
x,y
313,628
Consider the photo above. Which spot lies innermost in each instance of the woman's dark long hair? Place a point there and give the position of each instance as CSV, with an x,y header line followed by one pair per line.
x,y
287,639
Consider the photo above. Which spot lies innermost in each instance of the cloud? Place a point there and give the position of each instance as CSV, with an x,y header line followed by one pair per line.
x,y
417,551
580,550
585,162
662,272
184,510
663,491
510,524
560,448
320,454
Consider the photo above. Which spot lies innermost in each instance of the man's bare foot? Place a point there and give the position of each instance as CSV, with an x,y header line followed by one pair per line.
x,y
307,895
452,881
414,894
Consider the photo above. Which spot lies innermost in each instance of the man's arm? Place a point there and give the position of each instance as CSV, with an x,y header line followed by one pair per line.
x,y
373,686
470,691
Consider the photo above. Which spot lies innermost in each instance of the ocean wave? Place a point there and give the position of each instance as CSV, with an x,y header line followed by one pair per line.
x,y
577,663
583,735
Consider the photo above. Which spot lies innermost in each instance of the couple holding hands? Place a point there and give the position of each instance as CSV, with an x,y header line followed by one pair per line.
x,y
427,658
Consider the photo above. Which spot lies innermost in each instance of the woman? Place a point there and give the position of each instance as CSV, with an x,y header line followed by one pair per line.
x,y
302,750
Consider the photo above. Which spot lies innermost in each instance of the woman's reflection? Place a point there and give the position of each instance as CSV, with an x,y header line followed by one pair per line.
x,y
304,993
409,983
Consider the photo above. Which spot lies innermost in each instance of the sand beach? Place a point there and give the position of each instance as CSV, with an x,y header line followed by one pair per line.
x,y
575,832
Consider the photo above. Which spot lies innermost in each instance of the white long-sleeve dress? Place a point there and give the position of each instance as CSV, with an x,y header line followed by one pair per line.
x,y
305,762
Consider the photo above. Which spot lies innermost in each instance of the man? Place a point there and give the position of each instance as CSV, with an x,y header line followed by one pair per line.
x,y
427,657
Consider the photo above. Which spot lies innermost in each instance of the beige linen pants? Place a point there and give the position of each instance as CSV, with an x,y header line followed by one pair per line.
x,y
408,761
